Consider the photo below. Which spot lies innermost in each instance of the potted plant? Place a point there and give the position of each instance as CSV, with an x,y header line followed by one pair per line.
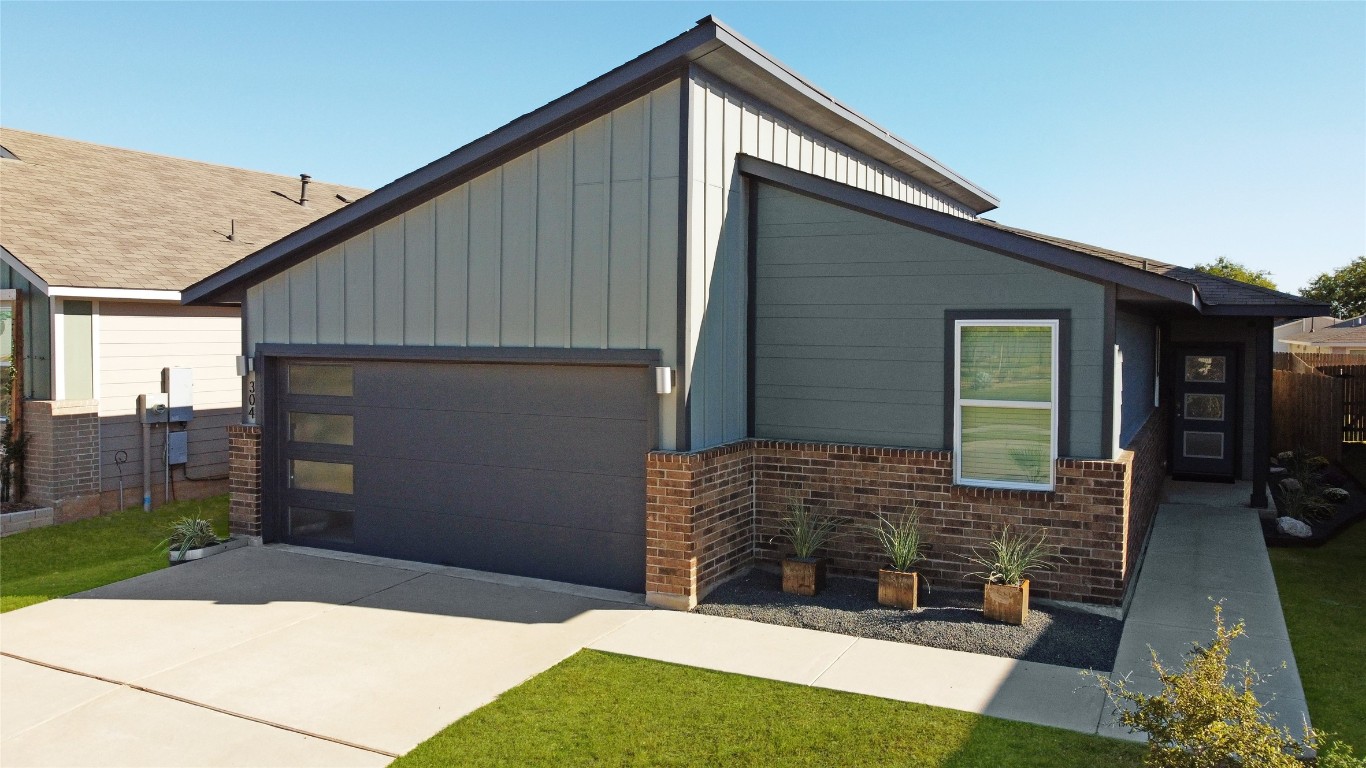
x,y
192,537
897,585
807,531
1008,563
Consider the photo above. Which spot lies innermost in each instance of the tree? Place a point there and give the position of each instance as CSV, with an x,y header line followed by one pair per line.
x,y
1226,267
1344,290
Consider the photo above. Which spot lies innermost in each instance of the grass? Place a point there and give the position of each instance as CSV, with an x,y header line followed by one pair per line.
x,y
1323,595
46,563
601,709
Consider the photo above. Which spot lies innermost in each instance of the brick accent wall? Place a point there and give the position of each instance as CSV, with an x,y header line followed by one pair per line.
x,y
244,479
1146,460
697,513
699,522
62,467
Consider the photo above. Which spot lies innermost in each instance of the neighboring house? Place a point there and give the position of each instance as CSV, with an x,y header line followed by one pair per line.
x,y
96,244
1323,335
610,341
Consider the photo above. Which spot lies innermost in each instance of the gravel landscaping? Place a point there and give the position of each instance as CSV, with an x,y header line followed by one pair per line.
x,y
949,619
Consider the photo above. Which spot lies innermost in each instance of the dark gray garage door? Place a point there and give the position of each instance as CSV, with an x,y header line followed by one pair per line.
x,y
536,470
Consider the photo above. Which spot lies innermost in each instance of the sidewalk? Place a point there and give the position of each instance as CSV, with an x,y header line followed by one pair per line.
x,y
1209,549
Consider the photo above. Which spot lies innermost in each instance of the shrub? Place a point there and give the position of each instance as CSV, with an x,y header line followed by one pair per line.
x,y
900,539
190,532
1009,559
1339,755
1199,720
806,529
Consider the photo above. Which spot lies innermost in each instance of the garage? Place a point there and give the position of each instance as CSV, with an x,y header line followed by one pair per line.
x,y
521,468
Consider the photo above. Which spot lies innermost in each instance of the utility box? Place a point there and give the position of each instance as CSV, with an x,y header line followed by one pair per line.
x,y
178,385
152,408
178,450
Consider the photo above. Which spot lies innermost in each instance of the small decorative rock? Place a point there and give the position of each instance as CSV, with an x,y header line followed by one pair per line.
x,y
1279,470
1335,494
1292,527
1285,456
1291,485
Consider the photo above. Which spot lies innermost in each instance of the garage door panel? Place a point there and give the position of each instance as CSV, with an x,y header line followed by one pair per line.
x,y
602,446
573,499
536,470
563,390
617,561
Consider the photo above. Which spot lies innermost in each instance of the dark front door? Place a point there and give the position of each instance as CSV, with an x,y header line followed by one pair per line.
x,y
1205,413
535,470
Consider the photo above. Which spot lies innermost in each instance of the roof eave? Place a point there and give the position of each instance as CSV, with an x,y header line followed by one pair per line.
x,y
973,233
1295,310
649,69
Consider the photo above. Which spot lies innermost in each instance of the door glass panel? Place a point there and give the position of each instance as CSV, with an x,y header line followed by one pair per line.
x,y
1204,445
1006,363
1007,444
1206,368
1205,407
315,379
328,476
322,524
328,428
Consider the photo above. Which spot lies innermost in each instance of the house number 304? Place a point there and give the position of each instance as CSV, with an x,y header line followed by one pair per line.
x,y
251,398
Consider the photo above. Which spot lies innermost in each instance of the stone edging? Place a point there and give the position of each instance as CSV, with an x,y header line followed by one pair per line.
x,y
25,519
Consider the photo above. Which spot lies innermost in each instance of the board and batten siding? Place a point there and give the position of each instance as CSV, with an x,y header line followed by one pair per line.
x,y
571,245
850,325
135,341
724,123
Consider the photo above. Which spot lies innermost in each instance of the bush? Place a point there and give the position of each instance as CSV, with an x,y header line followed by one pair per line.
x,y
901,539
1339,755
806,529
190,532
1009,559
1199,720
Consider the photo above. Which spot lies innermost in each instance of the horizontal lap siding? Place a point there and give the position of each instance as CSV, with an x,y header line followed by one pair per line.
x,y
136,341
725,122
850,325
571,245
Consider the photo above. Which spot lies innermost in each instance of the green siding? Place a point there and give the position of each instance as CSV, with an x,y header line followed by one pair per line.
x,y
849,329
37,334
78,351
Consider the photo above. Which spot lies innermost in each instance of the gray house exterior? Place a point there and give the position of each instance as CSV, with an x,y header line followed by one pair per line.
x,y
607,343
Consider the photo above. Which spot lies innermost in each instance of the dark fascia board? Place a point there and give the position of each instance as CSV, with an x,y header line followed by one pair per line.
x,y
648,70
504,355
1267,310
972,233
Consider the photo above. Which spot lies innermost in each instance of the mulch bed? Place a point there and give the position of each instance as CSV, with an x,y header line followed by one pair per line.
x,y
1347,513
950,619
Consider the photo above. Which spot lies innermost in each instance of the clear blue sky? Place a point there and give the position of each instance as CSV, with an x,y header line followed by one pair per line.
x,y
1180,132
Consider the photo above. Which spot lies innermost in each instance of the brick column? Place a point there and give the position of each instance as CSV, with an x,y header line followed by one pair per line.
x,y
244,480
62,467
699,523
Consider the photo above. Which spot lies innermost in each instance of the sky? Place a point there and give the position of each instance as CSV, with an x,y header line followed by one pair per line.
x,y
1180,132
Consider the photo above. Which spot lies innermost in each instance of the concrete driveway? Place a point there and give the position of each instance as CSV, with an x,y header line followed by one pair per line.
x,y
268,656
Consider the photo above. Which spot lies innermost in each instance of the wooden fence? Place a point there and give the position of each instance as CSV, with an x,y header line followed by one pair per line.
x,y
1307,412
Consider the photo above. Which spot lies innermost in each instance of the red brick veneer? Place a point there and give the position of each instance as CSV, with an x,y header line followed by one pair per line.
x,y
714,512
244,479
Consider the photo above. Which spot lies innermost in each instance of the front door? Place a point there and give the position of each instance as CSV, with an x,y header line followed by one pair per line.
x,y
1205,412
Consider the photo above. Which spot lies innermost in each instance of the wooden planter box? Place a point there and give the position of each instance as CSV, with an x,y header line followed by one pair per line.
x,y
803,576
1003,602
898,589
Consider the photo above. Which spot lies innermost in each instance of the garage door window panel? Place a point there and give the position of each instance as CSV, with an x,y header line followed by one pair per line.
x,y
323,476
321,428
334,526
320,379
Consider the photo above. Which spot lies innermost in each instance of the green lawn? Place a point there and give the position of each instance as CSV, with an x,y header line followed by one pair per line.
x,y
61,560
601,709
1323,594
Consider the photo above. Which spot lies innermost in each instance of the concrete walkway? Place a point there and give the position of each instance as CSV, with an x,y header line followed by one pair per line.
x,y
1207,547
311,658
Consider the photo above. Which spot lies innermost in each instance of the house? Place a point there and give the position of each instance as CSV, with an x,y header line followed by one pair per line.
x,y
1322,335
95,244
608,342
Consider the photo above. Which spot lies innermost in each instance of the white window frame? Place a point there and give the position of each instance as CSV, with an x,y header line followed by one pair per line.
x,y
959,403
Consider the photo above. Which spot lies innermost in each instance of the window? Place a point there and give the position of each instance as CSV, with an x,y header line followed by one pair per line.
x,y
1006,403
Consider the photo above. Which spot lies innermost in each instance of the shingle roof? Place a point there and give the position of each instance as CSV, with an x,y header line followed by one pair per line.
x,y
1212,288
1355,334
90,216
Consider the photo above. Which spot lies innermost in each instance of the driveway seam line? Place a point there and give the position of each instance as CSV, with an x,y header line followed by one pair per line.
x,y
193,703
